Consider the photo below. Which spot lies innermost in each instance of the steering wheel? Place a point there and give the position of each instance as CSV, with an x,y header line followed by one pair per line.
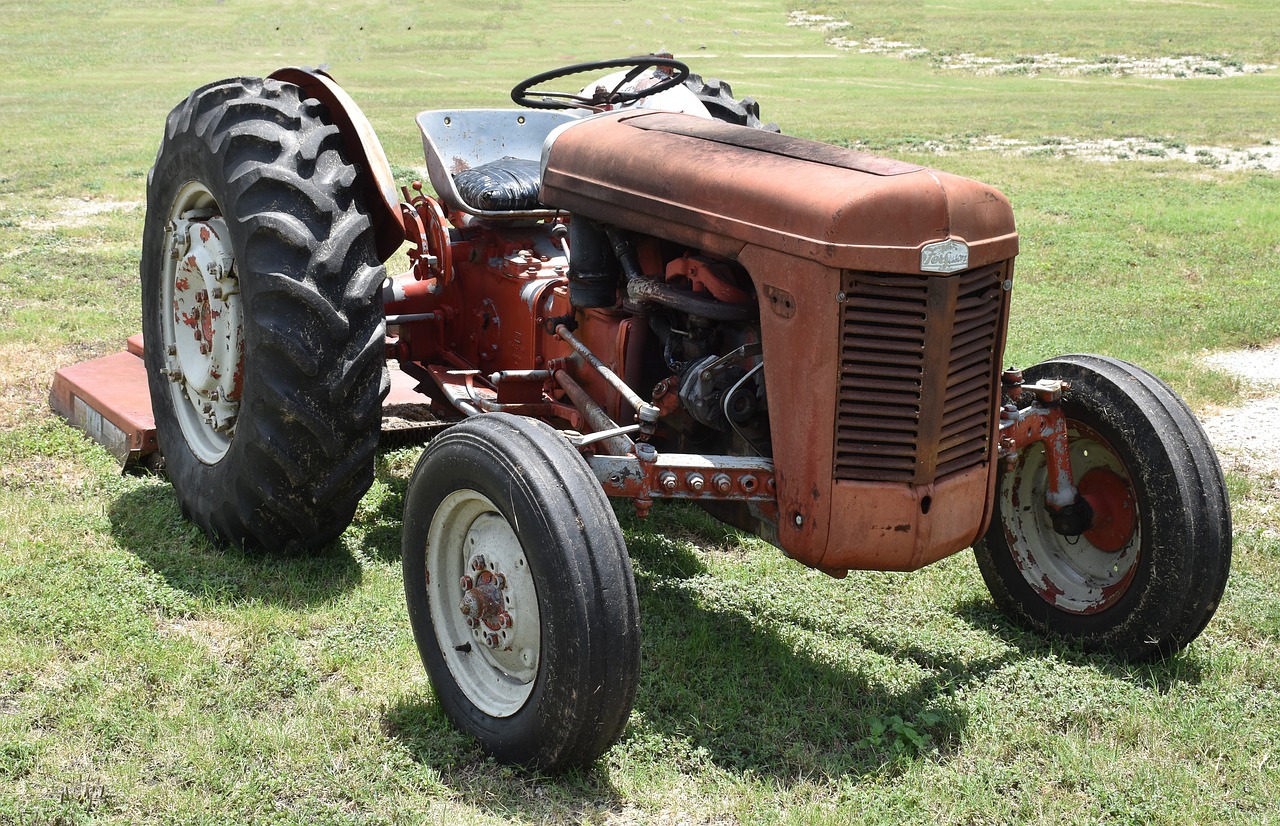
x,y
602,97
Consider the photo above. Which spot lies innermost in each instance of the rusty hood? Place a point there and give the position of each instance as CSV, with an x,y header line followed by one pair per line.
x,y
722,187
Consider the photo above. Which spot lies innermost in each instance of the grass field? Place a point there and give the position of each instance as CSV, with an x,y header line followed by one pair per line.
x,y
147,676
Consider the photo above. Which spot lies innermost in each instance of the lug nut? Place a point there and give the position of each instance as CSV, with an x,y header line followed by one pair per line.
x,y
466,583
478,564
472,622
504,619
491,640
501,581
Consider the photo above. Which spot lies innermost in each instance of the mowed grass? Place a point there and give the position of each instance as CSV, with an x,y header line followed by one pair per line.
x,y
148,676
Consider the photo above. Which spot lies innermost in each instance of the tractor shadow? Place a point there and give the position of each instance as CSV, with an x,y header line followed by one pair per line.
x,y
1159,676
732,682
721,686
148,522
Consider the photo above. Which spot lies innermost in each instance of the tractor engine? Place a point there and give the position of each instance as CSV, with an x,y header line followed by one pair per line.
x,y
836,317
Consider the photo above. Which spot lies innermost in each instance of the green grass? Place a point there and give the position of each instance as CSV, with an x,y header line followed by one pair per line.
x,y
147,676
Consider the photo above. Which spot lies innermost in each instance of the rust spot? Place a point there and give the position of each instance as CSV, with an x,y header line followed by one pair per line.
x,y
204,233
182,284
902,528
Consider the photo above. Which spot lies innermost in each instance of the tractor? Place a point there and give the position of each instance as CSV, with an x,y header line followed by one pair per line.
x,y
637,290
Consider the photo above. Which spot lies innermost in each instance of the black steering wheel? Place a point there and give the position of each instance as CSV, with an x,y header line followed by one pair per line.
x,y
602,97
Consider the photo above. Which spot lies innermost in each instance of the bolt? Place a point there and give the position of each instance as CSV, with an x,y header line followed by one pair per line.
x,y
204,349
722,482
172,349
695,481
477,564
207,408
491,640
466,584
216,292
668,481
799,521
501,581
504,619
472,622
840,296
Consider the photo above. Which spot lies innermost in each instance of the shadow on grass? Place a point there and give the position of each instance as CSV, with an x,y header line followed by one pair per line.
x,y
147,522
723,686
1161,676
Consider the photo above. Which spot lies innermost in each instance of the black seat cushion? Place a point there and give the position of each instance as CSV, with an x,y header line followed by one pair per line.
x,y
502,185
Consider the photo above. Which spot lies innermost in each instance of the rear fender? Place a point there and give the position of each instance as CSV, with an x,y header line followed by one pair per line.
x,y
363,150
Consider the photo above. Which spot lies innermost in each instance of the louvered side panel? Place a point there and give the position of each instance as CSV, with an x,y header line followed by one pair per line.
x,y
916,371
881,377
965,437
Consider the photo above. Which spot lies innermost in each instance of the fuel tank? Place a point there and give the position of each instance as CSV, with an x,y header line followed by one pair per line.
x,y
884,291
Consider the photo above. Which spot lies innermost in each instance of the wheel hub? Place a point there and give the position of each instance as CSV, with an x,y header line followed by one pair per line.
x,y
1079,574
204,330
1114,515
484,603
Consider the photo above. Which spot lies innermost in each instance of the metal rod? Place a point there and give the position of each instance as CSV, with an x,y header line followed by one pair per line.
x,y
409,317
648,413
596,417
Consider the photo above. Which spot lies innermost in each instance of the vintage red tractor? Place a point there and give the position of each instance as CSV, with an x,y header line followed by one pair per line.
x,y
638,291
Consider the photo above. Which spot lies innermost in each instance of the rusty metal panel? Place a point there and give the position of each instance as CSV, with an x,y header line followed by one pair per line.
x,y
109,400
718,188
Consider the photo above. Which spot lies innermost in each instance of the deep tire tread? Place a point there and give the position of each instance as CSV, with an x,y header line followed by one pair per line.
x,y
305,442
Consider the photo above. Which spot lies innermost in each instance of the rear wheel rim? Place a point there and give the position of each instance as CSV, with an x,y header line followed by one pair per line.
x,y
202,323
484,603
1082,574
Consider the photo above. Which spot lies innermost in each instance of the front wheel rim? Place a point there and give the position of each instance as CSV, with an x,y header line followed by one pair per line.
x,y
484,603
202,322
1082,574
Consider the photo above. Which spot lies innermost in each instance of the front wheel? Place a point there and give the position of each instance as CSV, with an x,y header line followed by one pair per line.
x,y
520,593
1145,578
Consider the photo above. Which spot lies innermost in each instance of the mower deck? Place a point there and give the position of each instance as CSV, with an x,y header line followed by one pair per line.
x,y
108,399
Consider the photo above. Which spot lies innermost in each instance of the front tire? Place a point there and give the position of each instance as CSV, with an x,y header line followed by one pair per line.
x,y
520,593
264,333
1147,576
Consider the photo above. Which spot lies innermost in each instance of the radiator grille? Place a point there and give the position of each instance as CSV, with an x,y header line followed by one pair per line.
x,y
917,373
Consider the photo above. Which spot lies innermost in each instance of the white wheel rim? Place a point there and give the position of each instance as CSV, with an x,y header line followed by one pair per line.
x,y
495,661
1070,573
202,323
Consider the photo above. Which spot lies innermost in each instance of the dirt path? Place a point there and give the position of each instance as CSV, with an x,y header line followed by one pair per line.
x,y
1247,437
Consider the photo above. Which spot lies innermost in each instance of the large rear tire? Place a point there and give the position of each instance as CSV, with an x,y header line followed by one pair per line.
x,y
520,593
262,317
1147,576
718,97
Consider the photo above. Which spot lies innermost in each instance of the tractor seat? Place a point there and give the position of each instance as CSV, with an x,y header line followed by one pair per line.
x,y
487,162
502,185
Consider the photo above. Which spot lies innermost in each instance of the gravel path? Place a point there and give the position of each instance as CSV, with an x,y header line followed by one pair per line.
x,y
1247,438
